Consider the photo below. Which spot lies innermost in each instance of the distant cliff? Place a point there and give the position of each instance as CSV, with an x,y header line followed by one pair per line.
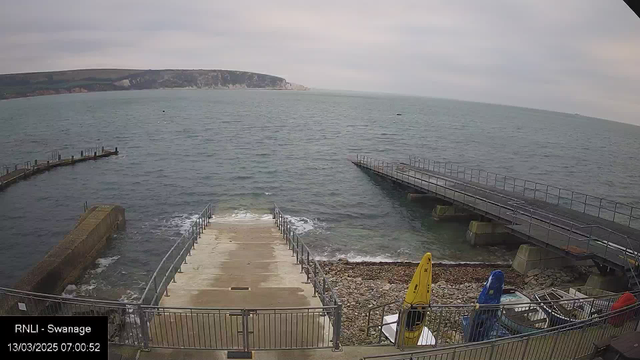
x,y
89,80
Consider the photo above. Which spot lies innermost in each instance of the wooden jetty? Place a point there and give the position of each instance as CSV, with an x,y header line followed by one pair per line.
x,y
23,171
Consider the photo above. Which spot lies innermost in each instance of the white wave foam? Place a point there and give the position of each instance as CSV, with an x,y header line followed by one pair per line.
x,y
183,222
351,257
267,193
241,215
129,296
302,224
82,290
86,288
70,291
103,263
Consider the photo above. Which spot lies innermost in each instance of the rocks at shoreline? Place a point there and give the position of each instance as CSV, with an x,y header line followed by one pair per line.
x,y
537,279
362,285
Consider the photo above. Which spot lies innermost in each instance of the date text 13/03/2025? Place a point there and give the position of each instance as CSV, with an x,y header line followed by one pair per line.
x,y
41,336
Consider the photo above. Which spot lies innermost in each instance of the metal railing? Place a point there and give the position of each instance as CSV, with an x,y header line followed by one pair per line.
x,y
543,227
241,329
173,260
309,266
144,324
615,211
126,324
54,158
92,151
570,341
25,166
613,241
54,155
456,324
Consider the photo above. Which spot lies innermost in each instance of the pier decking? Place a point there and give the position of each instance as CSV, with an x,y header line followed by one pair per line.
x,y
540,217
11,175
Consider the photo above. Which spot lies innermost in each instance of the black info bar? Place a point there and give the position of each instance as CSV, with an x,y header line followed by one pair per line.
x,y
41,337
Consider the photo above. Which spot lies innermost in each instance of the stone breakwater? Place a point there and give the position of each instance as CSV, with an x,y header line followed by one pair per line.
x,y
361,285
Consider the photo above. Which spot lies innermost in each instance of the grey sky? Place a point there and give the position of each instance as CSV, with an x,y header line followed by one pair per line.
x,y
570,55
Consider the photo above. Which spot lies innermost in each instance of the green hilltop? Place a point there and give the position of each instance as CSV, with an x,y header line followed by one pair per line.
x,y
90,80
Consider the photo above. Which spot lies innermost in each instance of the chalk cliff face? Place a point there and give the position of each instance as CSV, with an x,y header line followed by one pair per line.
x,y
87,80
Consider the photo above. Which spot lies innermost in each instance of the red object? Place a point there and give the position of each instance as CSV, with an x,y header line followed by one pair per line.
x,y
625,300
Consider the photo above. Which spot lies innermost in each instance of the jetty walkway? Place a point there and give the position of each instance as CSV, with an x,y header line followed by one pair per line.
x,y
575,225
9,175
241,285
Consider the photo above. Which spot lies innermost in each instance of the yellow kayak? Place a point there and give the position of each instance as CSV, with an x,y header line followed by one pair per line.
x,y
418,297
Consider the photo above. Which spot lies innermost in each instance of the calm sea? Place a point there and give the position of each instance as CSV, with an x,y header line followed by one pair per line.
x,y
245,150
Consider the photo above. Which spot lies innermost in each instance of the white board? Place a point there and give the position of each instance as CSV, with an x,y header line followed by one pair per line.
x,y
389,330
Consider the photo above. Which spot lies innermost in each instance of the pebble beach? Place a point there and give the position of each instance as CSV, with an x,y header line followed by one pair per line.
x,y
361,285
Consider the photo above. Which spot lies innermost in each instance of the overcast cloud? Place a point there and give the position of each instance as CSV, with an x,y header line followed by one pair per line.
x,y
571,55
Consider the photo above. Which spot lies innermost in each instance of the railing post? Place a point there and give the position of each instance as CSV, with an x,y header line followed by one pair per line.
x,y
245,329
315,278
324,289
144,327
526,345
600,207
578,347
546,193
337,327
400,324
571,204
308,267
155,285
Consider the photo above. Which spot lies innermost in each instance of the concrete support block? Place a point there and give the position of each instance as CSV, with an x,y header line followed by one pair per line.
x,y
420,197
531,257
610,282
487,233
450,212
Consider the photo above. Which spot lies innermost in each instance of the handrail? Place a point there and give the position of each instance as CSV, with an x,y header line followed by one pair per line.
x,y
395,307
631,250
561,328
544,188
309,265
202,308
295,245
383,167
188,241
518,202
42,296
498,306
